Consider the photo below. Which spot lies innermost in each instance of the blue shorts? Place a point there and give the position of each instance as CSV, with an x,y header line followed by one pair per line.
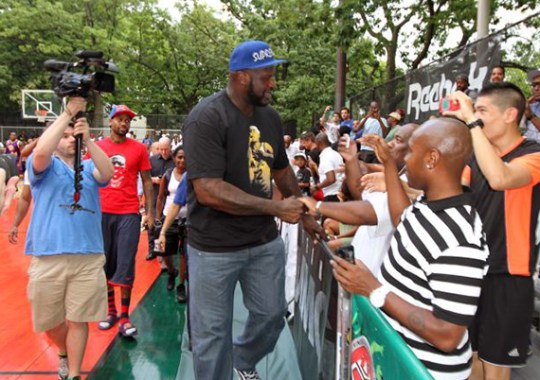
x,y
120,239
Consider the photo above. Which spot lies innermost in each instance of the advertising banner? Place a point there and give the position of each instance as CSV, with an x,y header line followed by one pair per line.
x,y
427,85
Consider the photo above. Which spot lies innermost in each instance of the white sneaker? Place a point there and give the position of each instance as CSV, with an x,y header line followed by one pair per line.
x,y
63,370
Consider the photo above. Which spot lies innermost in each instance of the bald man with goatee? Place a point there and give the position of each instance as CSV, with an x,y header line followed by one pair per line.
x,y
430,282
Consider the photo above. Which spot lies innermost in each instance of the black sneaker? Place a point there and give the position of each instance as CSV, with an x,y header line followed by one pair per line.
x,y
150,256
171,280
247,374
181,295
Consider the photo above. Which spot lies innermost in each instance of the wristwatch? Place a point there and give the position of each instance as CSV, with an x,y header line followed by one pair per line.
x,y
475,123
318,209
378,296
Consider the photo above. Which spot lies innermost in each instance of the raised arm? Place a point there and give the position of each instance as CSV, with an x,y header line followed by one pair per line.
x,y
354,168
500,175
104,169
50,138
397,196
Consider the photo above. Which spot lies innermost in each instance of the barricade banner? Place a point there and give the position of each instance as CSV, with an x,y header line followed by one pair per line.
x,y
427,85
377,350
314,276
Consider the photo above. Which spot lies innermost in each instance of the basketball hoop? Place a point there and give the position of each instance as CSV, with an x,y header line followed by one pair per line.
x,y
41,115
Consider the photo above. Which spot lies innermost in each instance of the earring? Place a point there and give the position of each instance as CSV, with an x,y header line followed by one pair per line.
x,y
429,166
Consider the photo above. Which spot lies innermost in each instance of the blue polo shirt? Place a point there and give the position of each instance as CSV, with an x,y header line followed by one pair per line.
x,y
53,229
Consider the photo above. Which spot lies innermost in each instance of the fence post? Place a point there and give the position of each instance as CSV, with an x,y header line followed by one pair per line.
x,y
343,335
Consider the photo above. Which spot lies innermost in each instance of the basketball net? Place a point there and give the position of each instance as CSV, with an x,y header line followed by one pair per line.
x,y
41,115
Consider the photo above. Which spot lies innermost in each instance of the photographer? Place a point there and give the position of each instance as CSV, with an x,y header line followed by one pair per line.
x,y
67,287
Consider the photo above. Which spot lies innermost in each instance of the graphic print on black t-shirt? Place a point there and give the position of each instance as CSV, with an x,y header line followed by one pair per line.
x,y
260,155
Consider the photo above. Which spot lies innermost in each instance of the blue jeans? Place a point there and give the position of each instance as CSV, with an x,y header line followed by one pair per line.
x,y
212,280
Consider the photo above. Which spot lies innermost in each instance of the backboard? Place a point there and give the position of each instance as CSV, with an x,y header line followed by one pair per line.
x,y
36,102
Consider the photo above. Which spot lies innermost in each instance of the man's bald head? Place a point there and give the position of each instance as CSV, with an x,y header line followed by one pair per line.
x,y
322,140
450,137
164,147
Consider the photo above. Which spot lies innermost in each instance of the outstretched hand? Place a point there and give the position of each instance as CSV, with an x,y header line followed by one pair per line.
x,y
347,152
290,210
380,146
374,182
310,203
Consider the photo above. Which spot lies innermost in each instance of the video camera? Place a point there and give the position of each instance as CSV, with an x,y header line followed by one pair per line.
x,y
79,78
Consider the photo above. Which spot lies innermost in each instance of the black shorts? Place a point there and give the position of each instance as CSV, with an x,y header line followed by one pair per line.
x,y
120,239
501,329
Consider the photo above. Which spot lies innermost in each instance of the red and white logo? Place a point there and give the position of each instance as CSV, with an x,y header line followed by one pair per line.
x,y
361,360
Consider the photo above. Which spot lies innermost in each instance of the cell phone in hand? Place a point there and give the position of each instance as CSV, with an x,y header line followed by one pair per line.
x,y
446,104
346,253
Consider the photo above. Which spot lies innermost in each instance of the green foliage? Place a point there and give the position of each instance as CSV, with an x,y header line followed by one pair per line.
x,y
307,34
168,65
165,66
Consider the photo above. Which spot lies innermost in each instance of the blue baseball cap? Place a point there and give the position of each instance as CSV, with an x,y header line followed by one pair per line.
x,y
252,55
121,109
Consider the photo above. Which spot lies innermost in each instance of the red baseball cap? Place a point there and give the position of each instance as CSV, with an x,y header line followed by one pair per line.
x,y
121,109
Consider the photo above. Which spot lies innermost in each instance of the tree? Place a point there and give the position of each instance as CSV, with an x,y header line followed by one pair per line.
x,y
305,33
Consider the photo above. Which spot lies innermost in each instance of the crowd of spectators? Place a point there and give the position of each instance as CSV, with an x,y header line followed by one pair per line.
x,y
442,259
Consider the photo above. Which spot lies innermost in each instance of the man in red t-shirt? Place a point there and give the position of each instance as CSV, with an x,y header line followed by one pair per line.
x,y
121,219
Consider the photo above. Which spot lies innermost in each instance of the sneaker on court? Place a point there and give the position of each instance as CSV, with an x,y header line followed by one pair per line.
x,y
247,374
63,370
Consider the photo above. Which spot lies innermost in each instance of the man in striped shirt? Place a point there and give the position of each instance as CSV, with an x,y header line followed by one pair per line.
x,y
431,279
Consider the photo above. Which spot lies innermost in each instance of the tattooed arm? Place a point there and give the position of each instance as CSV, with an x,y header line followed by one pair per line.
x,y
356,278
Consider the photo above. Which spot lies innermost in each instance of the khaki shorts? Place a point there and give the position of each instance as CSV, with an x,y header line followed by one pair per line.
x,y
67,287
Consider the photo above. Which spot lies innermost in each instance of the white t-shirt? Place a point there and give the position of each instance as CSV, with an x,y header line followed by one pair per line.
x,y
171,188
371,243
330,160
373,127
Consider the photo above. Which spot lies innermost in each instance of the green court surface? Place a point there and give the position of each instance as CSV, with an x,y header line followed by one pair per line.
x,y
155,353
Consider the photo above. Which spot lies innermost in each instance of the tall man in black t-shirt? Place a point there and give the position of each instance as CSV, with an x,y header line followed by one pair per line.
x,y
234,149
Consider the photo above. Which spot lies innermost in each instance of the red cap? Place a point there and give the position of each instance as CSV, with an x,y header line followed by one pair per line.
x,y
121,109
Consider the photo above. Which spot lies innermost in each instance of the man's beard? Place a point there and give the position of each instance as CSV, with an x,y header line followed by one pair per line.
x,y
254,99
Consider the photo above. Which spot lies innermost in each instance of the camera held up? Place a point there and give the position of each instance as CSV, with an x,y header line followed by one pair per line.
x,y
80,77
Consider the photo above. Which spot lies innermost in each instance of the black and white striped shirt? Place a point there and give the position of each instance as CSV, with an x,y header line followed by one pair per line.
x,y
436,261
